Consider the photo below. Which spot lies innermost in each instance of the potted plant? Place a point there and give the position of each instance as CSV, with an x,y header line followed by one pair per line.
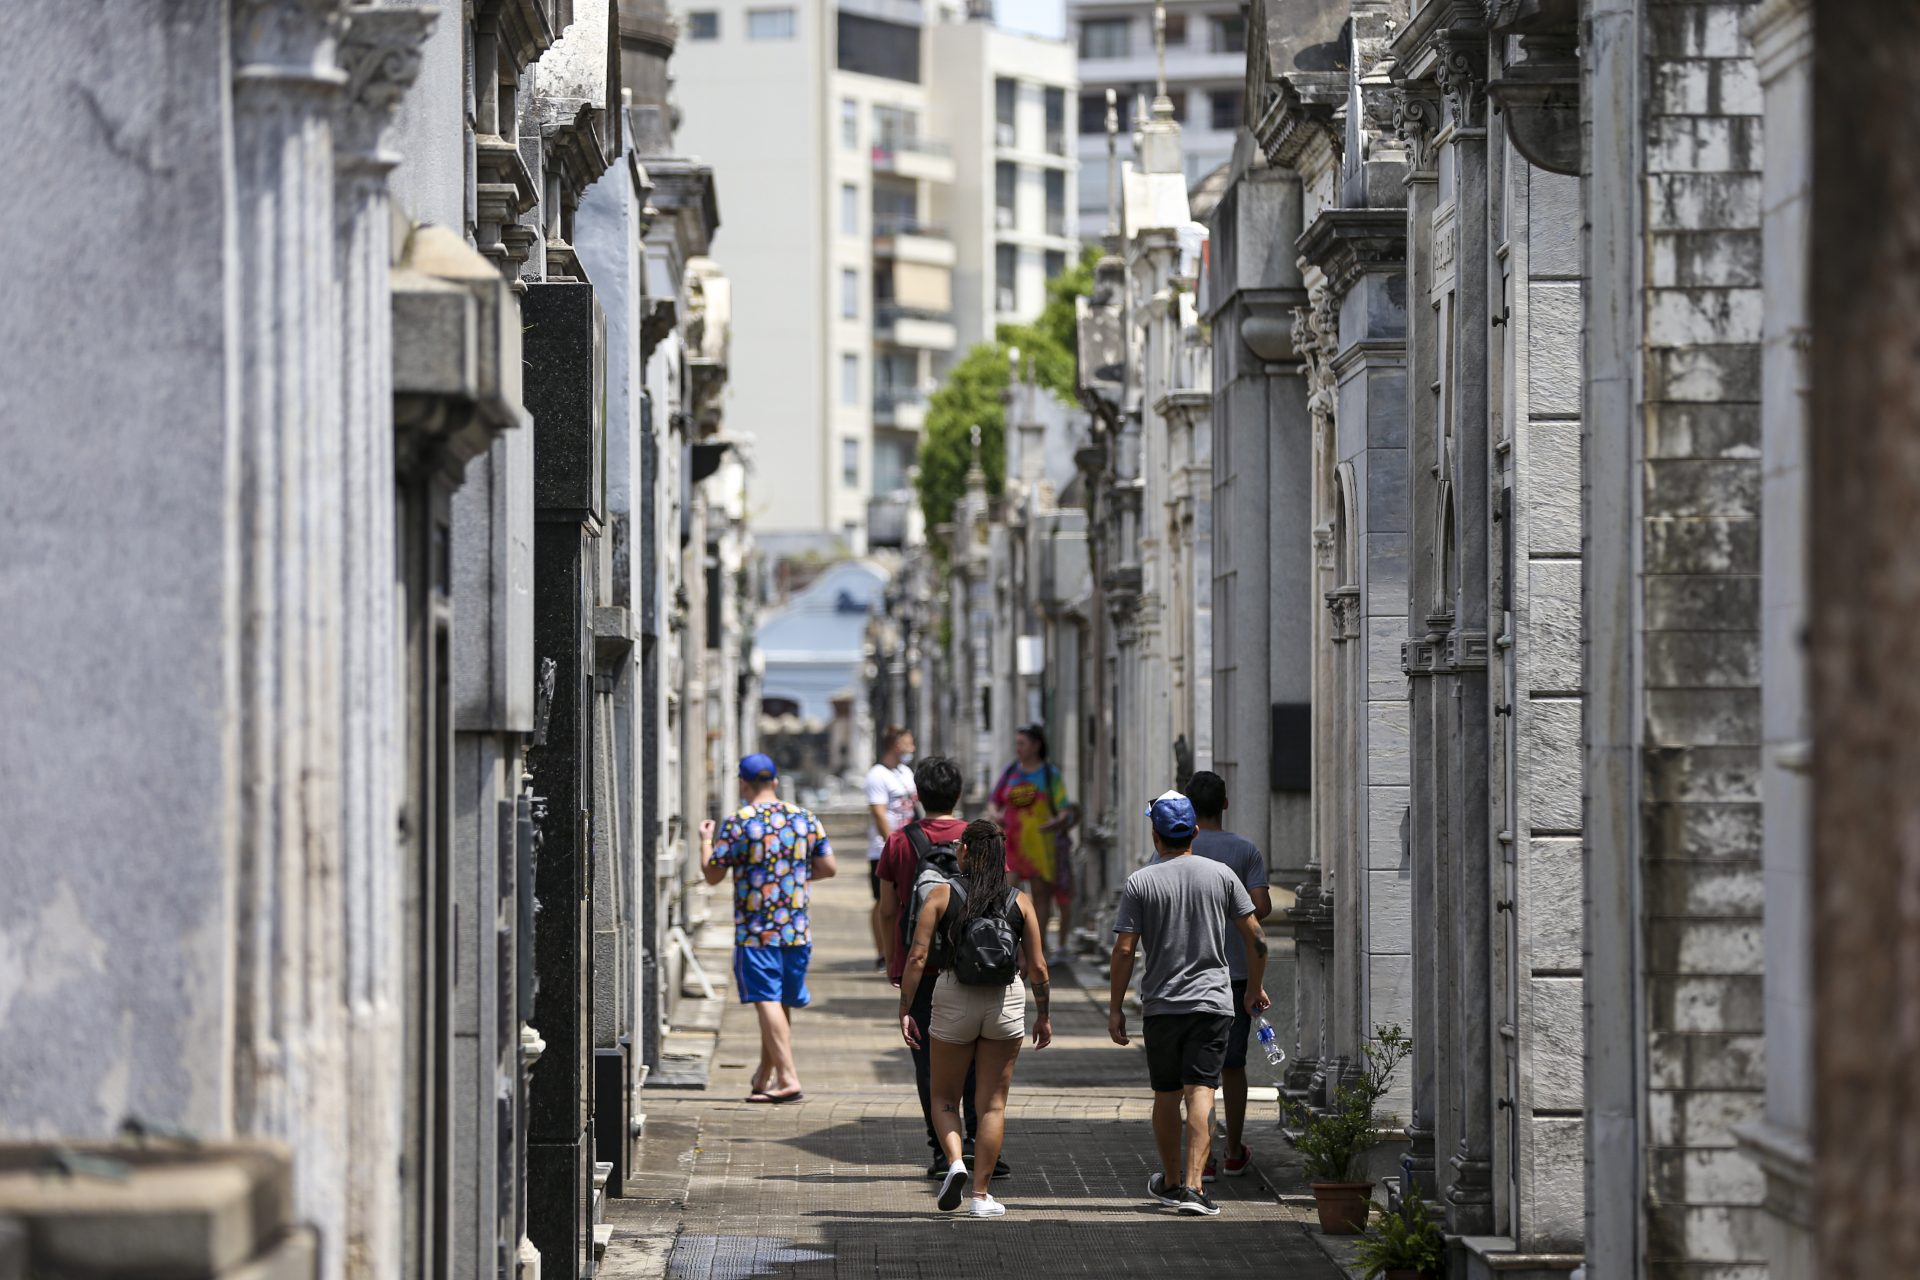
x,y
1333,1144
1407,1245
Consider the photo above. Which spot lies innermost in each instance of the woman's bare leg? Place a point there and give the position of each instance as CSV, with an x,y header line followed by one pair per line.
x,y
993,1076
946,1082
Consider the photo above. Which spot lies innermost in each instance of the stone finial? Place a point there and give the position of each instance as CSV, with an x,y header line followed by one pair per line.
x,y
1113,163
1160,58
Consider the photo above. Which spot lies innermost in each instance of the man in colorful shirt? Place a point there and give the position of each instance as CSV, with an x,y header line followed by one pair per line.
x,y
773,850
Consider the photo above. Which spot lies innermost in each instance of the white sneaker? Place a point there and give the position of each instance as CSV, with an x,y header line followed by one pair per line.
x,y
987,1207
953,1187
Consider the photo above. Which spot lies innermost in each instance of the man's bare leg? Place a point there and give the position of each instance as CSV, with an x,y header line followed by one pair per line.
x,y
1233,1087
1166,1136
776,1046
1199,1130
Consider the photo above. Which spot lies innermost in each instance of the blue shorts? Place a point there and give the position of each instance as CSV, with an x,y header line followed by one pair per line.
x,y
767,974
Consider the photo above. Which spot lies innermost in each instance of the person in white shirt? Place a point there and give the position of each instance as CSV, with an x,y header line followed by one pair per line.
x,y
893,801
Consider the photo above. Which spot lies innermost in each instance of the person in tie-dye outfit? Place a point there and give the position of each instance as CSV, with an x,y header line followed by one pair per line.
x,y
774,849
1031,801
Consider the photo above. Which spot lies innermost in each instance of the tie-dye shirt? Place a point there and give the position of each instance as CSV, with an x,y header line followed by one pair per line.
x,y
771,847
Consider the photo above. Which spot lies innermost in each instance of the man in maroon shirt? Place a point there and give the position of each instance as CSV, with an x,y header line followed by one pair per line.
x,y
939,782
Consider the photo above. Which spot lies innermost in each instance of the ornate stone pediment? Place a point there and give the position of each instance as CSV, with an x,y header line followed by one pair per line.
x,y
1346,243
1298,60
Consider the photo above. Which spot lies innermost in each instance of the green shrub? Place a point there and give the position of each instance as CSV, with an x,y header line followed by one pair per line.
x,y
1409,1240
1332,1143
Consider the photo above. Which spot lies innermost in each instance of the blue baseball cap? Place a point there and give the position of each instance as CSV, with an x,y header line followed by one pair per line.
x,y
1172,815
758,767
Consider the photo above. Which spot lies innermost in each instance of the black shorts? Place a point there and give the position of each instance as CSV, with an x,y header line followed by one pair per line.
x,y
873,877
1186,1048
1242,1028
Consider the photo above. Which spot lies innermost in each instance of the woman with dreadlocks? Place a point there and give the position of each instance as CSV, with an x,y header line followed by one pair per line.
x,y
985,933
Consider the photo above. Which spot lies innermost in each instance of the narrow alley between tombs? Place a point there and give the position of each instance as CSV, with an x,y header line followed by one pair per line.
x,y
834,1185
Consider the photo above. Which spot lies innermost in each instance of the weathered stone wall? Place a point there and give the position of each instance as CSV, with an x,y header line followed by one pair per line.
x,y
1700,548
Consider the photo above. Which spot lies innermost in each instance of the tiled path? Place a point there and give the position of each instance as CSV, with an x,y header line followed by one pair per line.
x,y
834,1185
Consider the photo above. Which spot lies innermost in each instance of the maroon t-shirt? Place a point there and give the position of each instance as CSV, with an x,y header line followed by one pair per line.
x,y
900,866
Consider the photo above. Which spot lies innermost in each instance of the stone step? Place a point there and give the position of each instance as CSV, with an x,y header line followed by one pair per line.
x,y
602,1237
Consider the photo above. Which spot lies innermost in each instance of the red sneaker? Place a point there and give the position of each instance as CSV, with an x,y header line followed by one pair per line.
x,y
1211,1171
1237,1165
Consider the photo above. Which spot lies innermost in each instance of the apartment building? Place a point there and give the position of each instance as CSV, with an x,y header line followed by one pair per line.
x,y
912,187
1206,69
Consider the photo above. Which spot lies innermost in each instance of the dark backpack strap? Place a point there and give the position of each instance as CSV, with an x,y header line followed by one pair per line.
x,y
917,838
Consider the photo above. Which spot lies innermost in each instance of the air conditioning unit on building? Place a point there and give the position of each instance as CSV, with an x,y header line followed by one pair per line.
x,y
1003,134
1002,217
1004,300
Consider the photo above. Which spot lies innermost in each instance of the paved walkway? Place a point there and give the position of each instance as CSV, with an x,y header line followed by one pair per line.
x,y
835,1185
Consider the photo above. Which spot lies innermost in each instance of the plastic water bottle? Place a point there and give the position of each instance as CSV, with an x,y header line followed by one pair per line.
x,y
1263,1030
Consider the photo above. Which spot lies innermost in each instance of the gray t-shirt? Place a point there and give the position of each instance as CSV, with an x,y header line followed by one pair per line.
x,y
1183,908
1242,857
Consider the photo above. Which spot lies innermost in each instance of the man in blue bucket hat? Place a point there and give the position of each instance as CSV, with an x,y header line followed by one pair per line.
x,y
1179,909
774,850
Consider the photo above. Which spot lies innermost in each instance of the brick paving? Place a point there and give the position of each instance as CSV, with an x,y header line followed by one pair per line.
x,y
834,1186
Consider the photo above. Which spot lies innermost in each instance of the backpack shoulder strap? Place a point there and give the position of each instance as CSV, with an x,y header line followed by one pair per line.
x,y
917,838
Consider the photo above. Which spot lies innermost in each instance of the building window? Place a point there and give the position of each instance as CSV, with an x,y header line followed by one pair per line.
x,y
891,458
1106,37
872,47
849,124
1006,265
1056,264
849,293
703,24
895,128
1229,33
1176,29
1005,178
770,24
849,378
849,209
1093,112
1056,203
1006,100
850,463
1178,97
1223,108
895,207
1056,104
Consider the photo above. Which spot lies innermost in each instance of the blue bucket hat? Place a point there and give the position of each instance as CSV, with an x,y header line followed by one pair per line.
x,y
758,767
1172,815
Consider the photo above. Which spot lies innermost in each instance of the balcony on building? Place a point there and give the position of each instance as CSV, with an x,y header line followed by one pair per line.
x,y
910,239
903,408
911,156
922,328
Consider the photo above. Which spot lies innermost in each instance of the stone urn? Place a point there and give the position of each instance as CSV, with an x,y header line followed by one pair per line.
x,y
1343,1206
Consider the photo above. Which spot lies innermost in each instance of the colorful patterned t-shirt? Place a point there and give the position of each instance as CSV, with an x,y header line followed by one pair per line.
x,y
771,847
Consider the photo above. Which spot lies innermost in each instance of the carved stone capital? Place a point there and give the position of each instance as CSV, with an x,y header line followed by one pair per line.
x,y
380,52
1461,73
1347,243
1416,120
286,41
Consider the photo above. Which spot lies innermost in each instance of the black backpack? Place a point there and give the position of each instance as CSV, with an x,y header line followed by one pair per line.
x,y
986,949
937,864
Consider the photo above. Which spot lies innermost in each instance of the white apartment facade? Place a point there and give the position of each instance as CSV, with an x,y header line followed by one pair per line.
x,y
911,185
1206,43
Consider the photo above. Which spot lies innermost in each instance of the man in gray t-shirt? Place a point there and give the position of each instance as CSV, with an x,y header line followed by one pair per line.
x,y
1180,909
1208,791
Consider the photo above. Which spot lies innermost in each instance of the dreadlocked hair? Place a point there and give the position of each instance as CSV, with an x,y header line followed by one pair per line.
x,y
986,868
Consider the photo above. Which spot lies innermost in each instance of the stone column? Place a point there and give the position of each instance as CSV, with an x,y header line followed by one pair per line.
x,y
380,53
1864,460
1417,119
289,1019
1462,76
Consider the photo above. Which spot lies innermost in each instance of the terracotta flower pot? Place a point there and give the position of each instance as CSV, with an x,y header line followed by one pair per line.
x,y
1342,1206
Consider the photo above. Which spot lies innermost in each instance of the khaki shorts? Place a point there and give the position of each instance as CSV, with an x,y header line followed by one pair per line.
x,y
963,1014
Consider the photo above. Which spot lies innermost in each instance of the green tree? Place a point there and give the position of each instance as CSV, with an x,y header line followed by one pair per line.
x,y
972,394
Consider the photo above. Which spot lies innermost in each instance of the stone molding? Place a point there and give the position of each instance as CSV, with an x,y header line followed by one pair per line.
x,y
1345,244
289,41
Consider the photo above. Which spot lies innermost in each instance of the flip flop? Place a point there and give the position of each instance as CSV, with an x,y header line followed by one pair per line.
x,y
777,1098
761,1095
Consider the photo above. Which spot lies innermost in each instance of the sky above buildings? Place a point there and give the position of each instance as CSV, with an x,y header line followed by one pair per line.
x,y
1037,17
